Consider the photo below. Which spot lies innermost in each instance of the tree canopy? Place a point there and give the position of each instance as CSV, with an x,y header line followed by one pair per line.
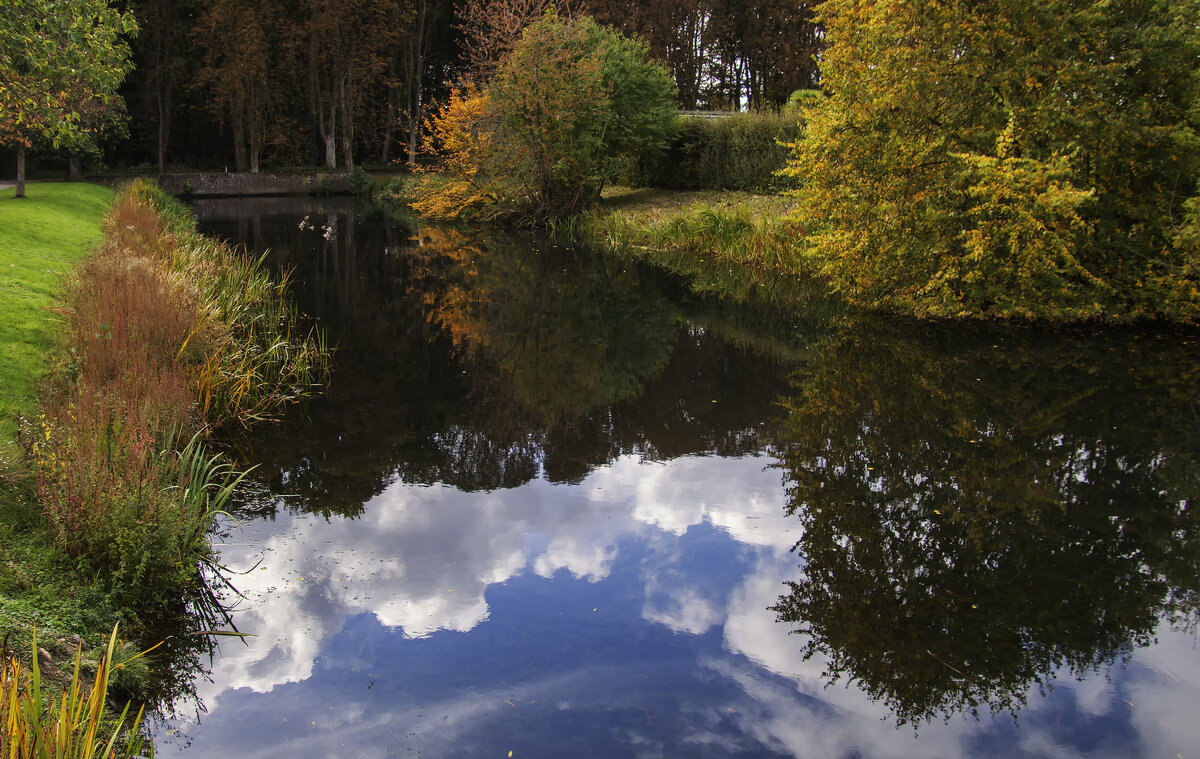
x,y
1027,158
56,59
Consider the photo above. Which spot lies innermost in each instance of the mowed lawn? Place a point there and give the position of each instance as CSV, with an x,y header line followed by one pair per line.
x,y
41,237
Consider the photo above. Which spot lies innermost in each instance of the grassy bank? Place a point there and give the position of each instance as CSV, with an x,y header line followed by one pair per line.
x,y
41,238
730,243
159,337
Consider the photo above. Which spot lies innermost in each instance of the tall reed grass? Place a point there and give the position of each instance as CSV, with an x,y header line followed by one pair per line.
x,y
35,724
168,335
247,354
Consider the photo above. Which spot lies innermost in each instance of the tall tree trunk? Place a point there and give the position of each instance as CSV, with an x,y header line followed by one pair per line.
x,y
385,150
162,97
255,149
323,106
329,135
237,121
20,170
415,78
327,125
164,128
343,96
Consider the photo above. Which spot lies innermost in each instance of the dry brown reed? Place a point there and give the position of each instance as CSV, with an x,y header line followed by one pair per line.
x,y
167,334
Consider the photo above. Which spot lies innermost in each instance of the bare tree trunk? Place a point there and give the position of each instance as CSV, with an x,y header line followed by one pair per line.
x,y
343,96
415,78
329,135
163,129
328,129
237,121
317,102
20,170
161,34
255,150
385,151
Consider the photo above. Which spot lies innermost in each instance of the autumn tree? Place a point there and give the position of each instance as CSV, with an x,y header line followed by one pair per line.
x,y
724,53
345,46
1005,159
238,73
546,133
491,29
55,57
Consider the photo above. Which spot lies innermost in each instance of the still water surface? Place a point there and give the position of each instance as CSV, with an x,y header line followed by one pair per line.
x,y
559,505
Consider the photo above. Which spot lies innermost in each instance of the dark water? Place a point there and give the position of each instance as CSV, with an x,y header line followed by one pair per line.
x,y
550,505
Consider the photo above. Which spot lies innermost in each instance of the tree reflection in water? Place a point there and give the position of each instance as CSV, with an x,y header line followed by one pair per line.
x,y
483,362
981,508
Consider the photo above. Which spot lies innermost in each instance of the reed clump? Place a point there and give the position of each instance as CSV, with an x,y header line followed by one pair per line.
x,y
168,335
72,725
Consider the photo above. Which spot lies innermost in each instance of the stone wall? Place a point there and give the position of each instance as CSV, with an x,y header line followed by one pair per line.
x,y
241,184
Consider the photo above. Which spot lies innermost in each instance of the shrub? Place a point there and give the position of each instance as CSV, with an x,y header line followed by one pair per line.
x,y
541,139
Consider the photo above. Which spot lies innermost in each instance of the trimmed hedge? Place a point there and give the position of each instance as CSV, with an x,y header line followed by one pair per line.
x,y
741,151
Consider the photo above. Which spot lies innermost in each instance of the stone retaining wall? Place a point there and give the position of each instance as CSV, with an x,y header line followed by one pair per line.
x,y
239,184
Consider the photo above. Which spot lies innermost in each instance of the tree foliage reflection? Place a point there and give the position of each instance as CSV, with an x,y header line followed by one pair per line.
x,y
981,509
482,362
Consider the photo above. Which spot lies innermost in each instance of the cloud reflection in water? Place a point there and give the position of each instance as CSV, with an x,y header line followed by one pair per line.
x,y
444,619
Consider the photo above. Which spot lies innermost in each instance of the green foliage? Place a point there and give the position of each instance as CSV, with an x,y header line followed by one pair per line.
x,y
740,151
567,104
360,183
801,102
1005,159
58,61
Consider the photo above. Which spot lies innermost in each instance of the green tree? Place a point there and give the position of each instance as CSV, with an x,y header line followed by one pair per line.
x,y
996,158
568,102
50,50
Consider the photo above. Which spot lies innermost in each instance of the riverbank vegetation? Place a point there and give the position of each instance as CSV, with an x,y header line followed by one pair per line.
x,y
168,335
77,725
42,237
164,339
706,229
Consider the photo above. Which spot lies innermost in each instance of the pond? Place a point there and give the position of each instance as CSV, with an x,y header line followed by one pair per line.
x,y
561,505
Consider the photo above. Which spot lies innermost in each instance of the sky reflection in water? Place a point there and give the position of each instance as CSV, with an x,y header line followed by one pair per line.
x,y
625,616
620,607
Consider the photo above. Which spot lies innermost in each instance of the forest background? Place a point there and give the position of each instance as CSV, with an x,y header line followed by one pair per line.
x,y
234,85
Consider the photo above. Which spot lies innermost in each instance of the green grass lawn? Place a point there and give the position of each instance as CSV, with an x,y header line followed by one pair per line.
x,y
41,237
